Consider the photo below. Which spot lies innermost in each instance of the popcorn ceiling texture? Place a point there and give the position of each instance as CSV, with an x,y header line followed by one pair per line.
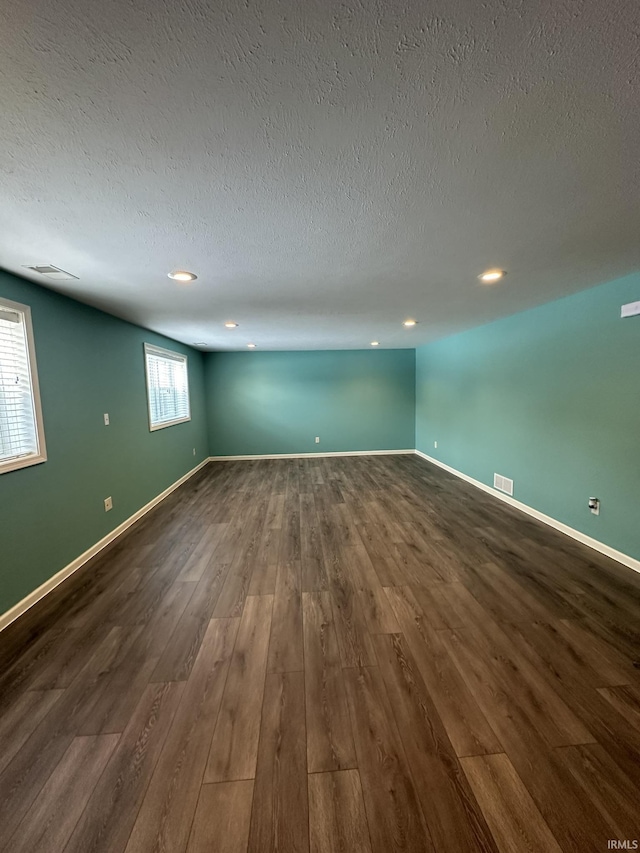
x,y
326,168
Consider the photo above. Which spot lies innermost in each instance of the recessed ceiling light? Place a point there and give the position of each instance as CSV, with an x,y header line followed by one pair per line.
x,y
491,276
231,325
251,346
375,343
409,322
182,275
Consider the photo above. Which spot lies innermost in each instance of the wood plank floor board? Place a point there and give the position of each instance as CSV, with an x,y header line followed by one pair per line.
x,y
106,606
337,818
352,496
263,577
450,808
415,566
383,523
285,645
329,736
115,664
465,724
21,671
182,648
164,819
196,565
48,824
142,607
373,603
222,820
326,654
559,798
502,595
24,776
290,540
394,814
565,648
20,718
111,811
626,700
118,695
235,588
512,815
512,687
439,564
604,784
275,510
314,578
234,747
115,572
439,606
279,816
387,569
613,730
354,640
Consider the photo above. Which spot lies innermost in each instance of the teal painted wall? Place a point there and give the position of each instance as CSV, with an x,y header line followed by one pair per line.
x,y
551,398
89,363
277,402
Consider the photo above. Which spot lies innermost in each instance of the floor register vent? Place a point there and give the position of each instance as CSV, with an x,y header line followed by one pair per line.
x,y
504,484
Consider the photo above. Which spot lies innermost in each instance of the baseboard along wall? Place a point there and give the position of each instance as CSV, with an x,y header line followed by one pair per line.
x,y
44,589
310,455
618,556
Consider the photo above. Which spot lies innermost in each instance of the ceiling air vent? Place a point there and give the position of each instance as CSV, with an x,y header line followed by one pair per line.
x,y
54,273
504,484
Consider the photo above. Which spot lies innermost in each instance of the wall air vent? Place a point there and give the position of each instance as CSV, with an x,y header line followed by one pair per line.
x,y
504,484
54,273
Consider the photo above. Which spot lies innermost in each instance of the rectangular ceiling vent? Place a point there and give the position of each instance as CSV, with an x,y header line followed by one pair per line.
x,y
504,484
54,273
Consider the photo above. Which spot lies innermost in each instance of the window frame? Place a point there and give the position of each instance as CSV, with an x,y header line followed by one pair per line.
x,y
17,462
174,356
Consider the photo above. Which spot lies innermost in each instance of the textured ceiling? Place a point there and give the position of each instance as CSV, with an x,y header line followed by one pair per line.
x,y
327,169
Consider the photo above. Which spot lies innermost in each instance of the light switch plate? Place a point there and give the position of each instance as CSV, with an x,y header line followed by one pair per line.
x,y
630,309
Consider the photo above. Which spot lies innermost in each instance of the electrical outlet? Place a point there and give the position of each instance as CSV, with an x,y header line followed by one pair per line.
x,y
435,443
594,506
317,439
194,451
108,504
106,418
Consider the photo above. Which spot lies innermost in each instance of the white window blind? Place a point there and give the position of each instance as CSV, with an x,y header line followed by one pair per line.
x,y
167,387
21,435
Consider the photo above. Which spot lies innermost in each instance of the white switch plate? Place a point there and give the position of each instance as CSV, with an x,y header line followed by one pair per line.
x,y
630,309
108,504
106,418
317,439
435,443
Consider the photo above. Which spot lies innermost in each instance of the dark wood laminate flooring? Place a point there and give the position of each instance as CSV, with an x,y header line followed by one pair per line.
x,y
346,654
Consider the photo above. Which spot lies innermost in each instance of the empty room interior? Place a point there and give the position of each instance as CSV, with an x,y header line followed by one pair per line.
x,y
319,424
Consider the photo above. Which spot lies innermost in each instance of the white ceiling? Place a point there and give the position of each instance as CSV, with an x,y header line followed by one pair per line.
x,y
326,168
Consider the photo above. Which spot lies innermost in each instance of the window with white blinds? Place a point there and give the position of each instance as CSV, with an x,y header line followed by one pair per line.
x,y
167,387
21,430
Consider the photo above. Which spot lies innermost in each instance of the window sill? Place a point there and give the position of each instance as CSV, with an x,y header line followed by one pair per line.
x,y
22,462
154,428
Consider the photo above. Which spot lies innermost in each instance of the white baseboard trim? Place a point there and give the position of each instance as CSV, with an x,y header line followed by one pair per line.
x,y
308,455
45,588
618,556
